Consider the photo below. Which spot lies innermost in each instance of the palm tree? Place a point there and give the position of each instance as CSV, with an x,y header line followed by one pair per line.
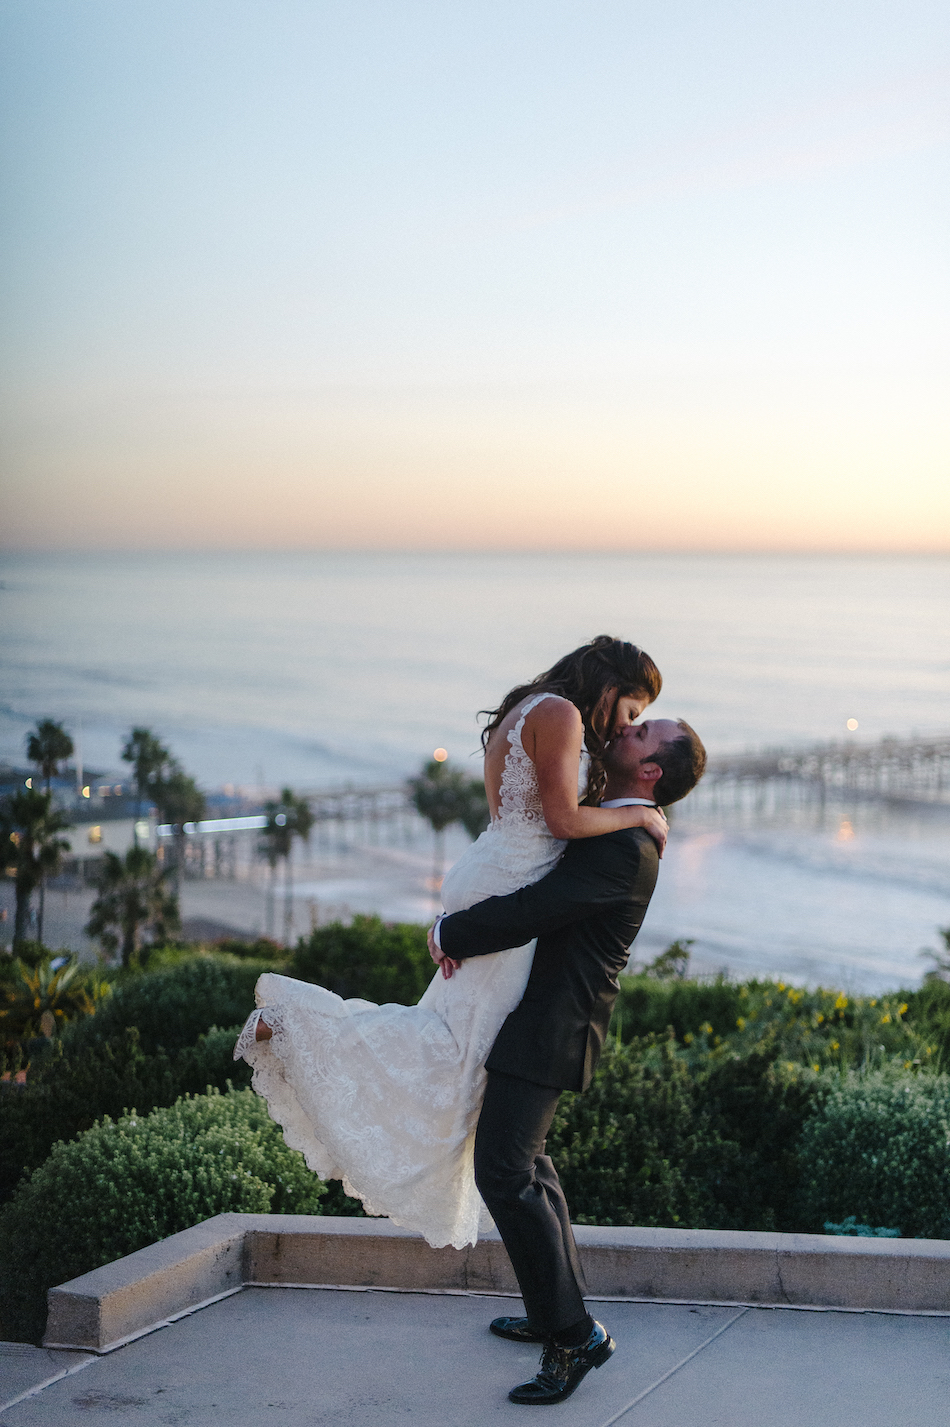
x,y
287,818
940,968
133,898
180,801
476,814
441,795
30,823
48,747
150,759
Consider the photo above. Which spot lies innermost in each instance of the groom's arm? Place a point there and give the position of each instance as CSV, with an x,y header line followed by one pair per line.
x,y
594,873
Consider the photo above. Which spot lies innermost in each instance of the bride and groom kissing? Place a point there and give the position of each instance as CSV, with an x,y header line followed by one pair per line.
x,y
431,1113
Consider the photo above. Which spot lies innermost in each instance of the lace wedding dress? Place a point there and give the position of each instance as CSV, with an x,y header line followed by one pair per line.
x,y
387,1098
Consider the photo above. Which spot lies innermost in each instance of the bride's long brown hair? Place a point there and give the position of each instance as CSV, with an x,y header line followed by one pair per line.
x,y
584,676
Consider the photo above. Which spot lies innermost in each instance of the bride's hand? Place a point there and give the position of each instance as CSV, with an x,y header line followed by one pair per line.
x,y
653,821
445,963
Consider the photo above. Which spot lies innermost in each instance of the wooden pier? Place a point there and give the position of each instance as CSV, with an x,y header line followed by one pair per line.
x,y
895,770
764,783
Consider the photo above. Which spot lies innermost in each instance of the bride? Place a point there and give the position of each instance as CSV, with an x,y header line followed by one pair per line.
x,y
387,1098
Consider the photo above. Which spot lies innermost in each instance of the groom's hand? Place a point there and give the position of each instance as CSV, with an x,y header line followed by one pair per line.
x,y
445,963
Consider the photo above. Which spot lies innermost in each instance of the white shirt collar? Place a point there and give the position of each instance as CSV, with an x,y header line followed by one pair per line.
x,y
627,802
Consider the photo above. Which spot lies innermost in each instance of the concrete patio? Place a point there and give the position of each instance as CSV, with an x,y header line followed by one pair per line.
x,y
252,1319
308,1357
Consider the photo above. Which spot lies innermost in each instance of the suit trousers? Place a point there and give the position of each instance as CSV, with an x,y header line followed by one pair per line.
x,y
519,1183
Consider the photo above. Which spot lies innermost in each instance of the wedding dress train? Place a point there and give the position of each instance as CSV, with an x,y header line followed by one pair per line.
x,y
387,1098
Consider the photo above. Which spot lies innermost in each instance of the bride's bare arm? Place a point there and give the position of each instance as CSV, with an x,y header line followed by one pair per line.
x,y
553,738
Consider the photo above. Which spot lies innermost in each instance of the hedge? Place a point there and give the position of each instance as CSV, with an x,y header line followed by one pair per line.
x,y
69,1090
172,1007
626,1149
878,1151
378,961
128,1183
929,1011
819,1028
662,1138
647,1006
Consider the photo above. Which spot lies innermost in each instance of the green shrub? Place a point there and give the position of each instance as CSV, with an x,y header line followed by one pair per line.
x,y
826,1029
647,1006
36,1000
174,953
375,960
878,1149
172,1007
338,1204
261,949
67,1091
818,1028
626,1150
928,1011
756,1107
210,1063
669,1137
123,1185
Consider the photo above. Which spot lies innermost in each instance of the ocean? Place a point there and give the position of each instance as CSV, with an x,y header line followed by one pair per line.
x,y
331,668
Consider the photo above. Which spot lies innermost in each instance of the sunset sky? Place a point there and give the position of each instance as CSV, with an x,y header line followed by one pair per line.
x,y
292,274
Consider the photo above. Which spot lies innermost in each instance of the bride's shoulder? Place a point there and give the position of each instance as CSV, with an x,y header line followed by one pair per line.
x,y
551,706
553,715
547,714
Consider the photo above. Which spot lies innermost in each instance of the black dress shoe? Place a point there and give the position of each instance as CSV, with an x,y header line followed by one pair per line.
x,y
562,1369
519,1330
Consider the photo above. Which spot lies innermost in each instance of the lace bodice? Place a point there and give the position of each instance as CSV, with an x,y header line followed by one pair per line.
x,y
516,848
520,795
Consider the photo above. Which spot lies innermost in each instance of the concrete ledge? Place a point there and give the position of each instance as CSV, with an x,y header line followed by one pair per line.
x,y
105,1308
368,1253
101,1309
796,1270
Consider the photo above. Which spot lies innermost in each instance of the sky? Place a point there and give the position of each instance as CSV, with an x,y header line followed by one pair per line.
x,y
283,274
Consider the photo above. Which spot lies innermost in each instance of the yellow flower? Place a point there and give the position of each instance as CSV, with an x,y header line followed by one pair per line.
x,y
820,1018
902,1008
886,1019
741,1023
842,1001
781,985
815,1065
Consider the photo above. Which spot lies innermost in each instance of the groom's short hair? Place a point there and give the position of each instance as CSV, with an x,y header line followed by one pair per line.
x,y
683,761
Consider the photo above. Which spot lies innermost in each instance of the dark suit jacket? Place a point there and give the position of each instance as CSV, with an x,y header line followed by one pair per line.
x,y
585,913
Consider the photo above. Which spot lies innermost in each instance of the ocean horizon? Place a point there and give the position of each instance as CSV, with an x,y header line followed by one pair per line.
x,y
323,669
332,667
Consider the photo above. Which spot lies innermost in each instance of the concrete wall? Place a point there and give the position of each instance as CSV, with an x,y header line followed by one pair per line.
x,y
104,1308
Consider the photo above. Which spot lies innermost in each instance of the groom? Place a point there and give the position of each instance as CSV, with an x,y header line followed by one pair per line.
x,y
584,913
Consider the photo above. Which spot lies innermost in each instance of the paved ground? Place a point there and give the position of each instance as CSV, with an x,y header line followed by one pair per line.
x,y
309,1358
